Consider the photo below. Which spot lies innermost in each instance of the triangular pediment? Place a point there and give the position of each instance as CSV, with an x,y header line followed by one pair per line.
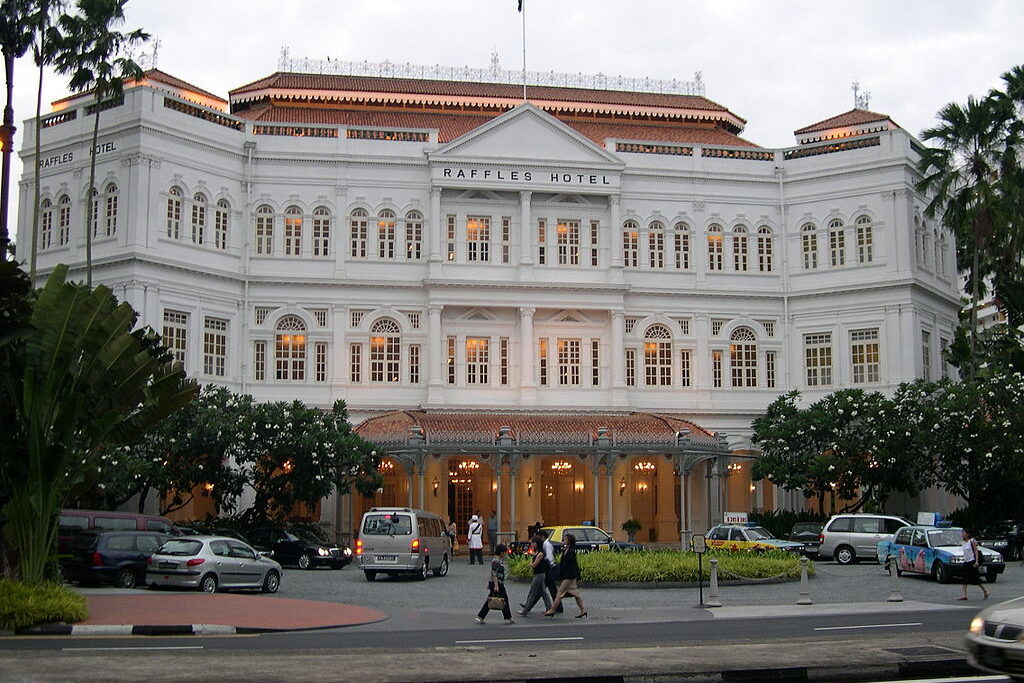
x,y
478,314
526,133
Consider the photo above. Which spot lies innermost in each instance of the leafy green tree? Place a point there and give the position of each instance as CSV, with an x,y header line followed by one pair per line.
x,y
81,379
187,452
94,54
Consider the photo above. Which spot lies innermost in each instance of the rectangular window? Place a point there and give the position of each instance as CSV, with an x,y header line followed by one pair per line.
x,y
542,364
451,360
630,324
926,356
265,234
176,334
215,346
715,250
769,327
413,237
764,250
740,250
111,205
864,356
685,368
320,315
506,239
259,358
769,369
569,362
320,361
451,237
478,238
837,246
682,250
414,319
385,358
684,325
943,347
503,361
174,217
630,367
46,227
818,359
414,364
716,327
360,232
595,243
864,240
631,248
356,318
542,241
220,226
478,360
261,313
386,236
568,243
595,362
809,240
656,249
293,234
321,233
716,369
64,221
355,363
658,363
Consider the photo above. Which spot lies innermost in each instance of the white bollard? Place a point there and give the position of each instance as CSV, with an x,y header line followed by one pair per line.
x,y
894,581
713,599
805,591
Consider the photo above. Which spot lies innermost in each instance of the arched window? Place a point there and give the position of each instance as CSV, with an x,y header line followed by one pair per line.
x,y
865,240
110,208
45,224
293,231
630,244
220,224
198,218
743,357
681,247
265,230
94,211
414,235
740,249
656,244
809,243
715,248
765,250
63,219
836,243
322,231
925,246
658,356
386,234
174,213
385,351
290,348
359,225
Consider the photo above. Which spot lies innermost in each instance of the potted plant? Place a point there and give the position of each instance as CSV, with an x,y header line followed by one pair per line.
x,y
631,526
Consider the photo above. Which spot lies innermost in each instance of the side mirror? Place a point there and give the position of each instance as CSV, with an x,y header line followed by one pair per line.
x,y
269,554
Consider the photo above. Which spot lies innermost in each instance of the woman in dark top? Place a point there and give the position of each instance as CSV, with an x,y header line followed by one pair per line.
x,y
496,587
569,571
540,565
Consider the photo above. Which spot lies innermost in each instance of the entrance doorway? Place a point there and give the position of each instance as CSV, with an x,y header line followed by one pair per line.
x,y
564,495
462,480
644,499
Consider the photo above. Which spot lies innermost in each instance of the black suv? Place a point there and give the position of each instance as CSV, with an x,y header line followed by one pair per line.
x,y
114,557
301,546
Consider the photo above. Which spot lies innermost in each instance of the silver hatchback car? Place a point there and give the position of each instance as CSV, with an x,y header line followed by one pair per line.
x,y
211,563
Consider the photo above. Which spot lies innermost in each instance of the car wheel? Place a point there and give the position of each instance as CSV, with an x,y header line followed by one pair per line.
x,y
208,584
940,573
421,575
305,561
442,569
126,578
272,582
845,555
991,576
370,574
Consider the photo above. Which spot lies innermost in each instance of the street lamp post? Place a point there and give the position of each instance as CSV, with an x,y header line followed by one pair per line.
x,y
6,143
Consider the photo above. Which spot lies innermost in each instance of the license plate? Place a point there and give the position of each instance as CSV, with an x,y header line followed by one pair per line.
x,y
387,558
168,565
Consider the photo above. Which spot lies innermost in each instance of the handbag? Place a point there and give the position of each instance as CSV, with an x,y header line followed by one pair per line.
x,y
496,602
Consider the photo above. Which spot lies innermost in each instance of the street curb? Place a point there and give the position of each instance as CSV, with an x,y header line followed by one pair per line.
x,y
130,630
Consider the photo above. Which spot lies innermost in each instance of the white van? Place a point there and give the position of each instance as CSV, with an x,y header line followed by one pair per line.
x,y
402,541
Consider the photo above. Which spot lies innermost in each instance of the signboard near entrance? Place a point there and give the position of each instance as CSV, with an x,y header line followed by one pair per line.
x,y
734,518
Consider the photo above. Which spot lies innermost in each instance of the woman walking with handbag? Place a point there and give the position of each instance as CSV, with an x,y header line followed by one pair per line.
x,y
497,598
538,589
569,570
972,558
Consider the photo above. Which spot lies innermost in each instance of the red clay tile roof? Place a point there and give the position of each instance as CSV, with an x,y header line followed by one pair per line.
x,y
297,81
451,125
854,117
455,428
153,75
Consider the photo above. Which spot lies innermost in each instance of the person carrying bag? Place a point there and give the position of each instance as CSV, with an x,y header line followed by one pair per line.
x,y
497,598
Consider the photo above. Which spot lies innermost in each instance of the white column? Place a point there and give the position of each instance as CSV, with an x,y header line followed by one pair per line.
x,y
339,240
618,354
683,504
701,365
908,344
497,504
513,494
435,229
527,380
615,229
597,493
525,229
435,355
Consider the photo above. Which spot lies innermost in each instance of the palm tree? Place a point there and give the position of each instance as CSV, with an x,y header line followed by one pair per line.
x,y
961,174
96,56
16,34
1009,275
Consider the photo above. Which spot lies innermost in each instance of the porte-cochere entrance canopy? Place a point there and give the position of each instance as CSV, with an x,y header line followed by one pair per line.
x,y
547,467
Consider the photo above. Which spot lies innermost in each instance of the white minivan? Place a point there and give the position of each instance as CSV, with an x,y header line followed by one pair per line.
x,y
402,541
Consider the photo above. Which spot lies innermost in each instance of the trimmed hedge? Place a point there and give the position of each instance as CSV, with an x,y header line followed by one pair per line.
x,y
24,605
648,566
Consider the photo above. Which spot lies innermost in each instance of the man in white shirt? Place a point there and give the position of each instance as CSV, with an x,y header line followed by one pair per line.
x,y
549,580
476,540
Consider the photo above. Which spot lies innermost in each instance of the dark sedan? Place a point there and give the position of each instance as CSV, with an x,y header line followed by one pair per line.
x,y
1006,538
302,547
114,557
807,533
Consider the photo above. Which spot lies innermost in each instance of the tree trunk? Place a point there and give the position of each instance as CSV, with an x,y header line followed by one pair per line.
x,y
5,171
972,367
38,164
89,228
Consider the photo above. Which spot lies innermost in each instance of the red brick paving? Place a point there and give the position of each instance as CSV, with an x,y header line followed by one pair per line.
x,y
249,611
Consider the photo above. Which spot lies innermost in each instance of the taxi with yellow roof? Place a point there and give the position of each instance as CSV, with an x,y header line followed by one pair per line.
x,y
587,538
748,538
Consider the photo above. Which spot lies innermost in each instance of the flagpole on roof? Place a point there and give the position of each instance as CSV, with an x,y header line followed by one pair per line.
x,y
522,11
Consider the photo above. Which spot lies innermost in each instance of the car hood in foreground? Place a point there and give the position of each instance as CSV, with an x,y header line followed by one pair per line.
x,y
1009,612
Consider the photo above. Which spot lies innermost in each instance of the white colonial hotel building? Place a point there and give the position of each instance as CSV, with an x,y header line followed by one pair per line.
x,y
564,309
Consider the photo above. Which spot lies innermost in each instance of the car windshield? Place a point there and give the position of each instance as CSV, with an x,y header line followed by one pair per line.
x,y
756,533
939,537
998,529
387,524
311,535
801,527
180,547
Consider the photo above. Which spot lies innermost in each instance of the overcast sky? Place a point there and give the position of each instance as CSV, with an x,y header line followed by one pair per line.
x,y
779,64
